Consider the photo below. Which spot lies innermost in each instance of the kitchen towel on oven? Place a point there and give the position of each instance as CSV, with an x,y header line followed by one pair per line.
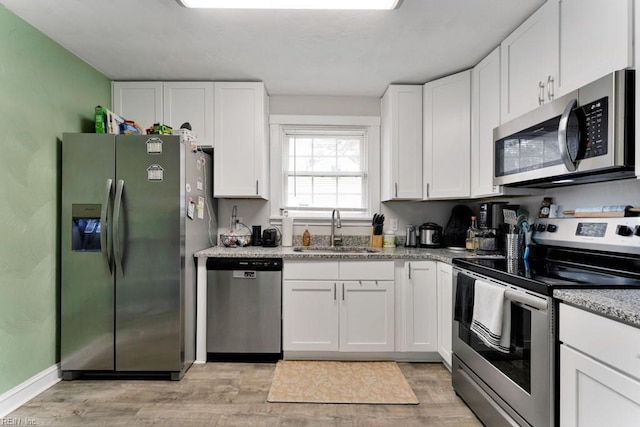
x,y
492,316
463,311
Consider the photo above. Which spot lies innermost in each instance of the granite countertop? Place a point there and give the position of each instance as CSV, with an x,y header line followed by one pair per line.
x,y
444,255
618,304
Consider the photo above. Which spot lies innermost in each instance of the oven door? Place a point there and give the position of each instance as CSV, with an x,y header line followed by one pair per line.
x,y
517,381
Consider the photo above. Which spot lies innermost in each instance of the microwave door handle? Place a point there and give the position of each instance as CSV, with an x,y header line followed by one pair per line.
x,y
117,208
563,142
104,226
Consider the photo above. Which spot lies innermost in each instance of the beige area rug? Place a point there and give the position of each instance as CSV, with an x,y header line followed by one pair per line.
x,y
340,382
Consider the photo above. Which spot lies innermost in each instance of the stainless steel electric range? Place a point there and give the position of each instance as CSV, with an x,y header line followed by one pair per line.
x,y
519,386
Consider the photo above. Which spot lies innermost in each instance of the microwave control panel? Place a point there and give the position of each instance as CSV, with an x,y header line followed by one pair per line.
x,y
596,125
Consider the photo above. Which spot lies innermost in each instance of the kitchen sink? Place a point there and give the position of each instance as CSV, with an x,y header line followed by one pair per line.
x,y
338,249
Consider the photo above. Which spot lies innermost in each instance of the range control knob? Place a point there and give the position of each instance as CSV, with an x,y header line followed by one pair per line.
x,y
552,228
541,227
623,230
637,233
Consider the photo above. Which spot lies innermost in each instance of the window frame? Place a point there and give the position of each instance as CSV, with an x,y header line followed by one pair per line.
x,y
280,123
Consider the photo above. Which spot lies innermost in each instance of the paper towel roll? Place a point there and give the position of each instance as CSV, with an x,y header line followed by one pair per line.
x,y
287,231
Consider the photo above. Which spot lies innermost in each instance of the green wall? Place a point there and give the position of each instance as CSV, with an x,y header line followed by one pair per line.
x,y
44,91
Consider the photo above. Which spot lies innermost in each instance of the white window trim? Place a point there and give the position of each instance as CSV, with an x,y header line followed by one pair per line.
x,y
279,122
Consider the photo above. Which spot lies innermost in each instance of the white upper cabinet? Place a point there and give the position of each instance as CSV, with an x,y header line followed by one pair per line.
x,y
401,145
138,101
169,103
530,62
561,47
596,38
190,102
447,137
241,140
485,115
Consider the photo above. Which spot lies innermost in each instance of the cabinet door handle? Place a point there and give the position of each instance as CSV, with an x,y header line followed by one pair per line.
x,y
550,88
396,186
540,93
257,187
427,184
409,271
335,295
343,292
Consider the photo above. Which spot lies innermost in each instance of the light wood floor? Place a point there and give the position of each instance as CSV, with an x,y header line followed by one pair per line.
x,y
235,394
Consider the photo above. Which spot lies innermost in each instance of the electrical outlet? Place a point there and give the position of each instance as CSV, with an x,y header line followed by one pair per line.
x,y
393,224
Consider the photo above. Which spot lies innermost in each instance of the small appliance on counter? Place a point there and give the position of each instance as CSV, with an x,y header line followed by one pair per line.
x,y
270,238
412,239
256,235
492,226
491,215
430,235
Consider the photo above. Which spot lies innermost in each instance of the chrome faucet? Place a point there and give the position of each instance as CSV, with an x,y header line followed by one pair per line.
x,y
335,222
234,218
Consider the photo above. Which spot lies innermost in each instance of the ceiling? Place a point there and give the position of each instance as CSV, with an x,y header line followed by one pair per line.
x,y
346,53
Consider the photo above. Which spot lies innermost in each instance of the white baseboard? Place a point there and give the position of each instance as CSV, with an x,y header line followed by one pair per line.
x,y
22,393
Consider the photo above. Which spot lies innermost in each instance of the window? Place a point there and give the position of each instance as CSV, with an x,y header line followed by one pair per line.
x,y
324,168
320,163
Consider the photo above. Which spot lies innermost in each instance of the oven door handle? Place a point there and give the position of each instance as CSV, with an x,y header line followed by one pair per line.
x,y
525,299
563,142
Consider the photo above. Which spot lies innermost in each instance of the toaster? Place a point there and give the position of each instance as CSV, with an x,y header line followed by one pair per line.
x,y
270,238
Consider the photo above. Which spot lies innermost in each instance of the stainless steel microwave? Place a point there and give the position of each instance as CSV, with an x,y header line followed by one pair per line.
x,y
584,136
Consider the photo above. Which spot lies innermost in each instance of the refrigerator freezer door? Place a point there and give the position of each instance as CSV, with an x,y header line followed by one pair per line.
x,y
87,285
149,284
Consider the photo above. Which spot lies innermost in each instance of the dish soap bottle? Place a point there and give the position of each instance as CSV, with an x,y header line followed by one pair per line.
x,y
306,236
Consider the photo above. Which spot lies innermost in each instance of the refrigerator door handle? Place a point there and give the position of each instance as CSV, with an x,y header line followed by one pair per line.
x,y
104,229
117,208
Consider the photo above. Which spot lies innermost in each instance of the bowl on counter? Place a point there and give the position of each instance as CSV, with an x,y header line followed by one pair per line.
x,y
233,239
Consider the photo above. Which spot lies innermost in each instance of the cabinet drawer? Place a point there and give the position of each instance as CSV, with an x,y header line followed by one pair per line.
x,y
366,270
612,342
310,270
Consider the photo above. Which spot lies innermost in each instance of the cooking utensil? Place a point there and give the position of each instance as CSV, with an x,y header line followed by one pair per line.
x,y
510,217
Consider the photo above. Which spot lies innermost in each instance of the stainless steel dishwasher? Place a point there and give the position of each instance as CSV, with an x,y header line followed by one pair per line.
x,y
244,309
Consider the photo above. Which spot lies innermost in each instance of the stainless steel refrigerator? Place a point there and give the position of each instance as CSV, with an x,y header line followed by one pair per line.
x,y
134,209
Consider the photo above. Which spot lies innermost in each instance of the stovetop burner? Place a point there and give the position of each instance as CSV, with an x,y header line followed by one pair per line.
x,y
544,275
572,253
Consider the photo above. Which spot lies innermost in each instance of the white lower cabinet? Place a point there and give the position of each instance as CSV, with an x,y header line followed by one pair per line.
x,y
599,370
310,314
445,311
421,330
366,316
345,306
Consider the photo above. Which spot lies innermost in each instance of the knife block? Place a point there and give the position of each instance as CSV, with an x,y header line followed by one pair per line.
x,y
375,240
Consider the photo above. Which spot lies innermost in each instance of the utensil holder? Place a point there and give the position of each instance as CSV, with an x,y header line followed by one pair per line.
x,y
513,245
375,240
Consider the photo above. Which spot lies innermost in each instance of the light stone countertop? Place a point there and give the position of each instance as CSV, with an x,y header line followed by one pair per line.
x,y
622,305
287,253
